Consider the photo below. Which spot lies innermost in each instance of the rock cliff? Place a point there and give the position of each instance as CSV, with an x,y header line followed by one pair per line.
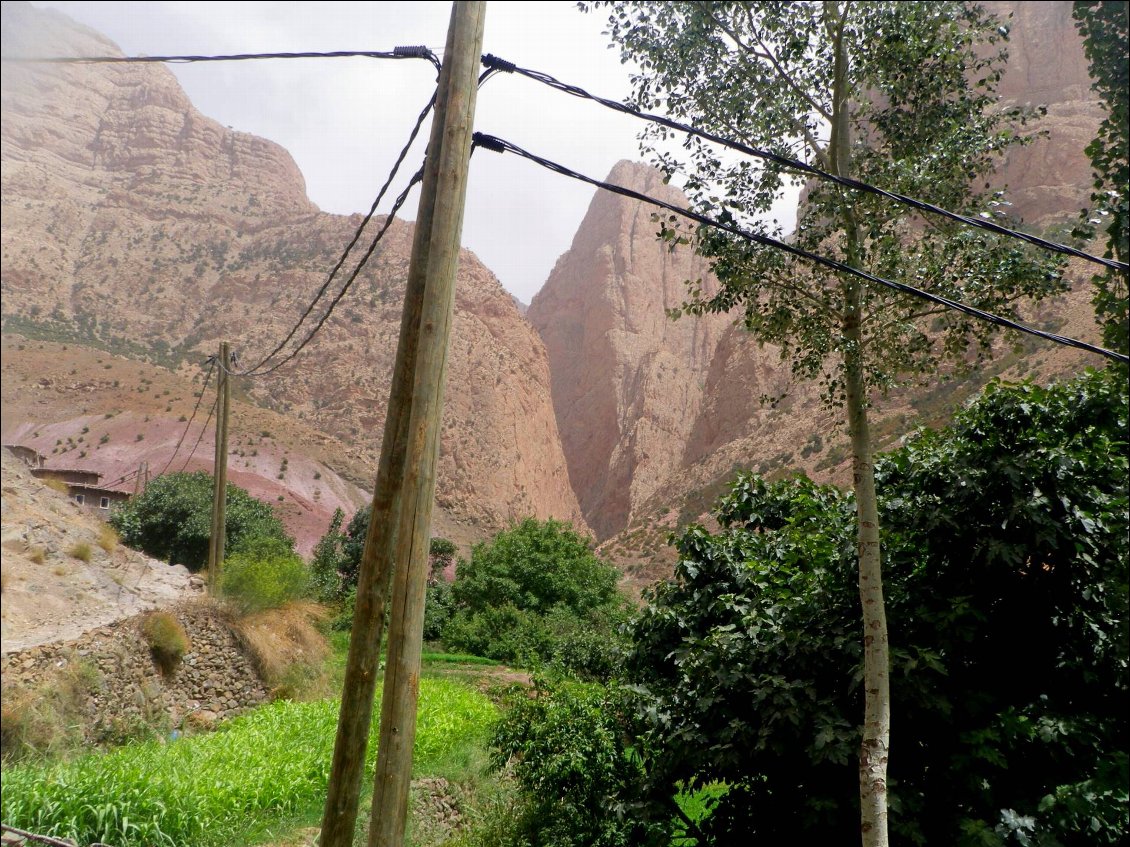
x,y
655,414
135,223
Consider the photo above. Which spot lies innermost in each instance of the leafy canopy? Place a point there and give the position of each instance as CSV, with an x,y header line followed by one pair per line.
x,y
1105,27
172,519
1006,577
918,109
526,590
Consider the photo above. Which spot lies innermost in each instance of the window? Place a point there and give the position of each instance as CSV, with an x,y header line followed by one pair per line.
x,y
80,499
104,503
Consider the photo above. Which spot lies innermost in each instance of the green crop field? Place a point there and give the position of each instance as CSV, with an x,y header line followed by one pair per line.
x,y
213,789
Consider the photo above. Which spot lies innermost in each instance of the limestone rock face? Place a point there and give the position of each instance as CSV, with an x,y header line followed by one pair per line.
x,y
627,380
654,412
134,222
1048,181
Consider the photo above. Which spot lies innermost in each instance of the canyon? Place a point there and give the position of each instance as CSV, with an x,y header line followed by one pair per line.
x,y
136,229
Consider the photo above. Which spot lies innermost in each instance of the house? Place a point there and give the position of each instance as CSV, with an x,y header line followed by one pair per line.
x,y
83,487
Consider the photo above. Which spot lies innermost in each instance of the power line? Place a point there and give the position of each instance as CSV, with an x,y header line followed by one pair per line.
x,y
494,63
417,177
411,52
200,437
192,417
489,142
349,247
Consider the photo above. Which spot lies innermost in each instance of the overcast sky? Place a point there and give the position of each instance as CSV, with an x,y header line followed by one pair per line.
x,y
344,120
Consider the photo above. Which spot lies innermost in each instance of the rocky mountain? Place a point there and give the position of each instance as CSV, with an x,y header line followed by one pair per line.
x,y
135,224
654,415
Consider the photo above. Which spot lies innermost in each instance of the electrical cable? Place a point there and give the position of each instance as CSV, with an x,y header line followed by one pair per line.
x,y
497,145
410,52
353,241
200,437
199,398
417,177
494,63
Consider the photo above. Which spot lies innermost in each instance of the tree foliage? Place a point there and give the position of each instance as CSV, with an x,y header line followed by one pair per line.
x,y
897,94
172,519
527,589
1104,26
1007,550
919,103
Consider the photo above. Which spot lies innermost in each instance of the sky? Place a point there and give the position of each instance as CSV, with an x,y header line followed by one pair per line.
x,y
344,120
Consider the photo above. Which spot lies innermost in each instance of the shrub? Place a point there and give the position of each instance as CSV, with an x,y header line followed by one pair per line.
x,y
167,640
528,588
81,551
1006,547
570,753
263,573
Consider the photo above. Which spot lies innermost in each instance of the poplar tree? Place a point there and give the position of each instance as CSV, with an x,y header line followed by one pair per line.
x,y
896,94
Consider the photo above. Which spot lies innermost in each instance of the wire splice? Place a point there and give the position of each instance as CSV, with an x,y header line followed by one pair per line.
x,y
487,142
493,143
494,63
412,51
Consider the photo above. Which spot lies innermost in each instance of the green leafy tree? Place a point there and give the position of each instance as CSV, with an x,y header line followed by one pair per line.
x,y
528,588
172,519
897,94
324,567
1007,567
1104,26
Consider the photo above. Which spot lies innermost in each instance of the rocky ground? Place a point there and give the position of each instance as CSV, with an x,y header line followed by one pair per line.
x,y
50,592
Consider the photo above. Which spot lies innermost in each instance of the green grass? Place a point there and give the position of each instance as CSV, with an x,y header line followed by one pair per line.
x,y
456,659
265,767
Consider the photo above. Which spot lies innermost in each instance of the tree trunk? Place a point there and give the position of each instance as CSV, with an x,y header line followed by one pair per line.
x,y
876,654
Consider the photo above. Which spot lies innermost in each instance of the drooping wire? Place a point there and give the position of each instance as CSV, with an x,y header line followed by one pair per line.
x,y
412,52
417,177
252,371
200,397
494,63
490,142
200,437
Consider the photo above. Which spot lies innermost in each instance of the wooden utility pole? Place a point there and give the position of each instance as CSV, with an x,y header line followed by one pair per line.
x,y
220,474
402,501
435,258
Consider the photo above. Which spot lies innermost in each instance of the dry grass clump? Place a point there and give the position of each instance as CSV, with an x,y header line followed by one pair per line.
x,y
107,538
81,551
56,485
288,650
167,640
37,555
47,718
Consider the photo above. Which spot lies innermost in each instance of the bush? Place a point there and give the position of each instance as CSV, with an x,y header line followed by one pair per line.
x,y
167,640
263,573
571,756
172,519
528,588
1006,570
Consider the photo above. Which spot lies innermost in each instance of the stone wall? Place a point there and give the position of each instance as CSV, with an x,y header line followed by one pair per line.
x,y
216,678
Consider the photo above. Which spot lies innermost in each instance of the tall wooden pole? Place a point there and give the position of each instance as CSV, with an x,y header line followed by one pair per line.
x,y
435,257
390,500
220,474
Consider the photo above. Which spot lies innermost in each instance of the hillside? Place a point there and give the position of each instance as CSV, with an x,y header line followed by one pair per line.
x,y
136,225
